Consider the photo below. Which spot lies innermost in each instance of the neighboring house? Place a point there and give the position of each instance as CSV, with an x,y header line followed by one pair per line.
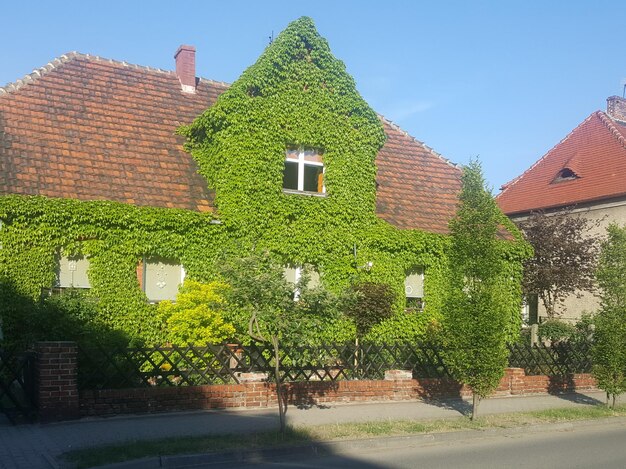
x,y
121,199
586,170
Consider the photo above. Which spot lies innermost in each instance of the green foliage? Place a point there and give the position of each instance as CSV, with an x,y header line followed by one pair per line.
x,y
405,327
371,303
259,290
477,314
609,350
296,94
114,237
260,297
70,316
556,330
195,317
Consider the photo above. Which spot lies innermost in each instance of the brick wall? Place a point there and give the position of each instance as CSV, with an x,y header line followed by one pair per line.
x,y
57,388
397,387
59,399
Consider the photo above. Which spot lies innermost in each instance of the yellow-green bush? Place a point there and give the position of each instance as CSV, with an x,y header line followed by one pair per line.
x,y
195,317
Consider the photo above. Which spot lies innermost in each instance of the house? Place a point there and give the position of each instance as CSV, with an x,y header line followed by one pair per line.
x,y
585,170
98,190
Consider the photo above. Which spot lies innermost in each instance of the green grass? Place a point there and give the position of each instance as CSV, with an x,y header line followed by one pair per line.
x,y
90,457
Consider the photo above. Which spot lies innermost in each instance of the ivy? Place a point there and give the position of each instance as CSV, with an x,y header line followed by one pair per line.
x,y
296,94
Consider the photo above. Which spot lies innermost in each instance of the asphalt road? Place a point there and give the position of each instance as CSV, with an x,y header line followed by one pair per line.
x,y
599,445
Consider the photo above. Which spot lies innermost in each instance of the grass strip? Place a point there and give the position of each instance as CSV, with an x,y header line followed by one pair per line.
x,y
90,457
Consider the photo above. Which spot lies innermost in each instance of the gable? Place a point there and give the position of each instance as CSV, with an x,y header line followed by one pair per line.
x,y
586,166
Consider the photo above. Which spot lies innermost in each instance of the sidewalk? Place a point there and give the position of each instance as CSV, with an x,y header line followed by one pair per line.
x,y
39,445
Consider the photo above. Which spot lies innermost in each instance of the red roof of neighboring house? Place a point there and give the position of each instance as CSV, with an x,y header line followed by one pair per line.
x,y
89,128
591,163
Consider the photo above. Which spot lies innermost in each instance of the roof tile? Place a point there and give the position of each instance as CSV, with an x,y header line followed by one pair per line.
x,y
595,151
95,129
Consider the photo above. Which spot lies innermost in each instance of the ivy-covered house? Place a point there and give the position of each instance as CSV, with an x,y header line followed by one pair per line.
x,y
126,179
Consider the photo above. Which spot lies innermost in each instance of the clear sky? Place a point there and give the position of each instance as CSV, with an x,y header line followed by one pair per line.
x,y
504,80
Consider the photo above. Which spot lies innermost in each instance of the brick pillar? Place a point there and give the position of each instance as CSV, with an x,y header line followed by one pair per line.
x,y
517,380
57,387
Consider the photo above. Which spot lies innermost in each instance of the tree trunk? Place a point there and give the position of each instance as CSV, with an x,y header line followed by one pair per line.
x,y
356,355
614,397
475,403
282,404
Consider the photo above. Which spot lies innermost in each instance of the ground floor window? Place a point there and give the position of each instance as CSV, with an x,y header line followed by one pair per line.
x,y
72,272
414,289
160,278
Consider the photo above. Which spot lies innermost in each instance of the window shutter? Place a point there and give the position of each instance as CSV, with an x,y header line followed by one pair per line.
x,y
72,272
161,279
414,285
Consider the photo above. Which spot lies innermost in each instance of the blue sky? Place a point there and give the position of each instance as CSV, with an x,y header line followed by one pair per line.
x,y
501,80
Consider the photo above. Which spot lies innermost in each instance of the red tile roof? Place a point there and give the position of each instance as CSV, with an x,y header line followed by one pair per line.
x,y
595,151
417,188
95,129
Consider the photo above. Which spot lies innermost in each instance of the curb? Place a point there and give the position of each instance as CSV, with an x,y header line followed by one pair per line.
x,y
345,446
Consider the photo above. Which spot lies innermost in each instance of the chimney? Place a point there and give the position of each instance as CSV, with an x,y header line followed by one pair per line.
x,y
186,68
616,108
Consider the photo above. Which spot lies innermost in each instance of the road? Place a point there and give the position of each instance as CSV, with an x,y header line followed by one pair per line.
x,y
599,445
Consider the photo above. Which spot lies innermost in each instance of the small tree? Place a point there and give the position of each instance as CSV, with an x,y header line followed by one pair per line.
x,y
260,291
609,349
476,310
369,304
565,257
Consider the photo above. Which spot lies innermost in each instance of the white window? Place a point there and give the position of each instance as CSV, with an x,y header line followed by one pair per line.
x,y
293,274
304,171
414,288
161,279
72,272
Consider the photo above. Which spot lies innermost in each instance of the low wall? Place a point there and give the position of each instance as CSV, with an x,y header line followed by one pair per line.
x,y
398,386
59,399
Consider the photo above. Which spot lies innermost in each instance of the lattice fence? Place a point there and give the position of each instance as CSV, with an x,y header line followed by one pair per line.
x,y
556,360
101,368
17,385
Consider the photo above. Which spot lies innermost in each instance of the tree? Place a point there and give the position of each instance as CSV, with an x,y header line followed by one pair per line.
x,y
609,349
369,304
565,257
476,307
275,315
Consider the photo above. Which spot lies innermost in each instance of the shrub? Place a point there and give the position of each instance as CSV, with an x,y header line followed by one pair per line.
x,y
556,331
195,317
371,303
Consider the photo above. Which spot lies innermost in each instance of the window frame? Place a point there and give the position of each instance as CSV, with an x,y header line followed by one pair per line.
x,y
298,269
71,260
302,162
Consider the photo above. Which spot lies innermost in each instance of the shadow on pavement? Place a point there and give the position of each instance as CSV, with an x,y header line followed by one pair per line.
x,y
579,398
461,406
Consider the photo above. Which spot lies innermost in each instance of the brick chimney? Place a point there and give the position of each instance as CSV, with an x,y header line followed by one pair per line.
x,y
616,108
186,68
